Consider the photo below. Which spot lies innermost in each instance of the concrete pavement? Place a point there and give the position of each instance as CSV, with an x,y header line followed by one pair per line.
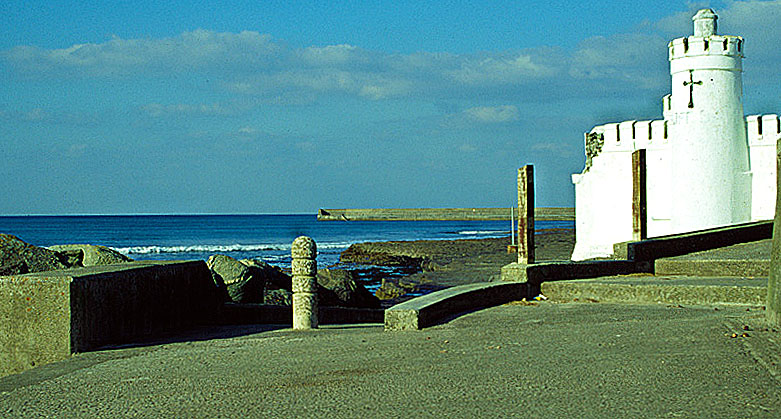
x,y
530,360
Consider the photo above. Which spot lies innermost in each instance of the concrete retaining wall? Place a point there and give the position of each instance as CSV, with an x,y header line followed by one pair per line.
x,y
47,316
697,241
432,308
437,214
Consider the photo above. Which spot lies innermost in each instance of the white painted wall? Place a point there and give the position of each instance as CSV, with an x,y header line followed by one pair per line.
x,y
707,165
763,133
709,153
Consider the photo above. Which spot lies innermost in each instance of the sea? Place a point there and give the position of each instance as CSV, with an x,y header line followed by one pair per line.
x,y
267,237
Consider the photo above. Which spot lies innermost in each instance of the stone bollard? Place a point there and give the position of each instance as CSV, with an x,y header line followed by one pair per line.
x,y
304,269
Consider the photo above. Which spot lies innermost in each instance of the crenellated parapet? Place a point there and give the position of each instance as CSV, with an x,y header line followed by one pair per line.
x,y
627,136
763,130
713,45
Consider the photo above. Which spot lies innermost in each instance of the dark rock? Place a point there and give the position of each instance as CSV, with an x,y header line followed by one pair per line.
x,y
18,257
340,288
242,283
279,297
255,281
373,254
250,280
278,285
89,255
71,258
392,289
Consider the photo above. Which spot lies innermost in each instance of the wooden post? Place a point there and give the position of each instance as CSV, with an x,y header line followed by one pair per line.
x,y
639,200
526,214
773,303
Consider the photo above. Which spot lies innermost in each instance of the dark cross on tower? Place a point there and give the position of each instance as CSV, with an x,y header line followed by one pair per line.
x,y
691,84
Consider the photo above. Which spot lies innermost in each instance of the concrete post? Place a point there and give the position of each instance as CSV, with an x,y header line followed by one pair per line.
x,y
526,214
773,305
639,202
304,270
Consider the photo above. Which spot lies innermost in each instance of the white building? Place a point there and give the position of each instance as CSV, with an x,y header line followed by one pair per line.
x,y
707,164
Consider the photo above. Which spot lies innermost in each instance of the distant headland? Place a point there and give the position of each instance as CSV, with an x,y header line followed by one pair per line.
x,y
439,214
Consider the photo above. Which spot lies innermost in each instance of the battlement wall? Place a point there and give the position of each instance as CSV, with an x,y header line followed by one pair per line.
x,y
629,136
763,130
714,45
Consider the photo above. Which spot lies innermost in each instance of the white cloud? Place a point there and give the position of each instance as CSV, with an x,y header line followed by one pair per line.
x,y
204,109
253,64
638,59
197,50
494,114
501,70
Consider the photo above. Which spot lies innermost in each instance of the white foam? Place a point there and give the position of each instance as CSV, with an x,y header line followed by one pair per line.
x,y
483,234
217,248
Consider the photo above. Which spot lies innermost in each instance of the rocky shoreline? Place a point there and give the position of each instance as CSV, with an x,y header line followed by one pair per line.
x,y
394,271
238,281
438,264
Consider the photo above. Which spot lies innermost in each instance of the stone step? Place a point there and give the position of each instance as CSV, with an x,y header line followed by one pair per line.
x,y
741,260
640,289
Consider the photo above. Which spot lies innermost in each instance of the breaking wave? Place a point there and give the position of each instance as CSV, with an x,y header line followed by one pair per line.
x,y
217,248
497,233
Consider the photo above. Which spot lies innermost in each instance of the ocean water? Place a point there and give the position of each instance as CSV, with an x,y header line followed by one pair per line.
x,y
266,237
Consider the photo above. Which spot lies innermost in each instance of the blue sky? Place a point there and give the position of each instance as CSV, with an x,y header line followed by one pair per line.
x,y
278,106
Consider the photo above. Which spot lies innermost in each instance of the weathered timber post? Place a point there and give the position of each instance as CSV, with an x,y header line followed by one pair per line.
x,y
526,214
639,197
304,270
773,304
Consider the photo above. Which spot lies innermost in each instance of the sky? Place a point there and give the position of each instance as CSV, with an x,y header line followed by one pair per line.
x,y
115,107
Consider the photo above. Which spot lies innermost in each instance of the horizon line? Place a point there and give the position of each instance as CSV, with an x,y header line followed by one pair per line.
x,y
129,214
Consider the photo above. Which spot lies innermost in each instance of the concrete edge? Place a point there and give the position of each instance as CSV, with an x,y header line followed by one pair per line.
x,y
713,267
536,274
442,305
699,295
697,241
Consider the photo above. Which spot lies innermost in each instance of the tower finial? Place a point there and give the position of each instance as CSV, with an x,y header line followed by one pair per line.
x,y
705,22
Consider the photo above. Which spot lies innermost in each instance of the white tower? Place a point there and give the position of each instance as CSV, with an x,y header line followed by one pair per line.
x,y
710,184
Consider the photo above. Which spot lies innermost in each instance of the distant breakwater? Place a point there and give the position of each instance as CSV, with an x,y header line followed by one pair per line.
x,y
439,214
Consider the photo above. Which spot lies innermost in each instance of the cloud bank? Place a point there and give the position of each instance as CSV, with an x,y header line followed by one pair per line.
x,y
255,64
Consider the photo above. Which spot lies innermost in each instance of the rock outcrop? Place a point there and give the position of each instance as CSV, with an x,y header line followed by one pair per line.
x,y
19,257
89,255
392,289
243,284
277,284
340,288
255,281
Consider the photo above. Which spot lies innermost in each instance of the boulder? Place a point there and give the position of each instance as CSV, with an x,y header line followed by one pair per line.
x,y
239,280
255,281
338,287
89,255
391,289
278,285
278,297
18,257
